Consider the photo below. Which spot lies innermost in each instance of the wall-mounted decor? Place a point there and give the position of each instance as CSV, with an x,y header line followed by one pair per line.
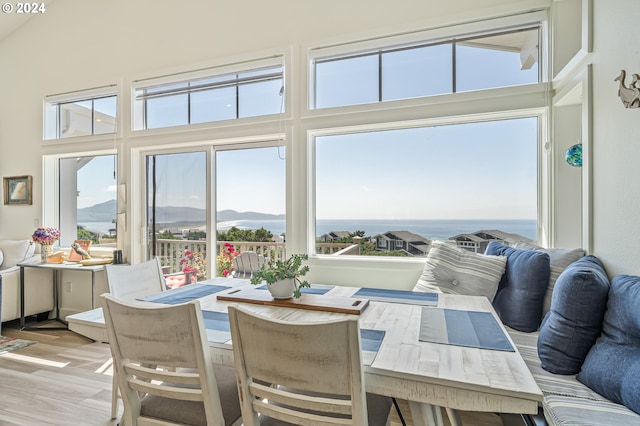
x,y
574,155
17,190
629,95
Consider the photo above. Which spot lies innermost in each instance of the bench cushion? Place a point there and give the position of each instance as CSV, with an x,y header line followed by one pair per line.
x,y
570,411
522,288
574,322
560,258
452,269
612,367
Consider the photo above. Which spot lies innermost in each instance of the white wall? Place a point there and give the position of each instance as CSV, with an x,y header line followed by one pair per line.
x,y
79,44
616,138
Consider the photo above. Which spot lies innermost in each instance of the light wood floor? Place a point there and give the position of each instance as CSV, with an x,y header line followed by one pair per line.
x,y
65,379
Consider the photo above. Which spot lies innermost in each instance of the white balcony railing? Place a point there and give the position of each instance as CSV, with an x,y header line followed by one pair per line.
x,y
170,251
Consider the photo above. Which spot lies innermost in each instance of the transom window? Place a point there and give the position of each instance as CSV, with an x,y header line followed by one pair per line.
x,y
249,93
457,64
81,114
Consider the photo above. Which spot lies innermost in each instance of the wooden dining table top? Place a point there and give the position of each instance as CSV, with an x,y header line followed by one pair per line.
x,y
447,375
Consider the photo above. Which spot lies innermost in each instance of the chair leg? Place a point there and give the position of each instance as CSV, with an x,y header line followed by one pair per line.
x,y
114,396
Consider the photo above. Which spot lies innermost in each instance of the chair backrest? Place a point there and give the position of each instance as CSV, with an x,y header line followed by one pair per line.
x,y
142,338
127,282
247,263
313,368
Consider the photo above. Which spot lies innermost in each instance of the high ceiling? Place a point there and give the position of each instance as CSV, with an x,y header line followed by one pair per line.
x,y
11,21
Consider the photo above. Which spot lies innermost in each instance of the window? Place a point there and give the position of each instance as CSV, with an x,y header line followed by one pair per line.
x,y
242,94
87,200
250,199
457,64
177,208
83,114
435,182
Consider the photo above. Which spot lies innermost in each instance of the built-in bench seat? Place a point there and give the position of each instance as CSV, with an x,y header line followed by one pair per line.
x,y
563,313
566,400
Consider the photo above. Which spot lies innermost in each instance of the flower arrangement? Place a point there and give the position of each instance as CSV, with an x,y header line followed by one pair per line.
x,y
225,259
46,235
194,263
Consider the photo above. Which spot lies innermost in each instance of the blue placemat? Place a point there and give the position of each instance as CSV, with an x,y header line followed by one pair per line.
x,y
183,294
370,341
463,328
398,296
217,326
305,290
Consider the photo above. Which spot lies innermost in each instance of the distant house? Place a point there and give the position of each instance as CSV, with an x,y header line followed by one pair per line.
x,y
479,240
334,236
413,244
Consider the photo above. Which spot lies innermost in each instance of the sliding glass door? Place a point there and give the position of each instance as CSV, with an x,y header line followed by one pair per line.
x,y
177,211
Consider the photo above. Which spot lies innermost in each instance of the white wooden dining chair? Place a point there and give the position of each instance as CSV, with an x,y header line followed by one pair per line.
x,y
194,391
247,263
314,369
127,282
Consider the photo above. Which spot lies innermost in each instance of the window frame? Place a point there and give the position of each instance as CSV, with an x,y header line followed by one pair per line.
x,y
544,193
51,190
51,113
434,36
138,104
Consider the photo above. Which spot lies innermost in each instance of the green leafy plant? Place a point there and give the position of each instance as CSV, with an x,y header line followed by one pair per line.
x,y
281,270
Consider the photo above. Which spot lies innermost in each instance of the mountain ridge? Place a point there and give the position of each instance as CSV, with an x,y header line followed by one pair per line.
x,y
106,212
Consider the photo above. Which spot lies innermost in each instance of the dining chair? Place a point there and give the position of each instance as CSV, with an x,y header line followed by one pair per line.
x,y
127,282
302,373
194,391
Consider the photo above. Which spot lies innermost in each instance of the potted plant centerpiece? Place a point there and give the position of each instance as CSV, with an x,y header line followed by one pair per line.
x,y
283,277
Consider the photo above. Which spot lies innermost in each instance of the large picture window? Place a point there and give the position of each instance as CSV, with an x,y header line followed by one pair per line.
x,y
415,185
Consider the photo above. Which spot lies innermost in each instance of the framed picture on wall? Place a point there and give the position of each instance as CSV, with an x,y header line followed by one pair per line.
x,y
17,190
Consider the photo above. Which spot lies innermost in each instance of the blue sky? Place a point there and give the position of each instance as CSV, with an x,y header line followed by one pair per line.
x,y
479,170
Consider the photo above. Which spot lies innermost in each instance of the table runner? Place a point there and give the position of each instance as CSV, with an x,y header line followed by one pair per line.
x,y
219,331
398,296
183,294
463,328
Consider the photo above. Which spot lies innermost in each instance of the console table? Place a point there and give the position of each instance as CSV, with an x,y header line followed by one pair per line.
x,y
56,269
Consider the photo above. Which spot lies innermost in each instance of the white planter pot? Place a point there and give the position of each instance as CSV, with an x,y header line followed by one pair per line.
x,y
282,289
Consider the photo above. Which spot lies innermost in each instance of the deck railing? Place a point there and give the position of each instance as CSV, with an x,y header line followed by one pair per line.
x,y
170,251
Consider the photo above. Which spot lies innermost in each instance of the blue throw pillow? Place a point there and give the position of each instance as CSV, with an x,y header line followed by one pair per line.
x,y
521,291
612,367
574,321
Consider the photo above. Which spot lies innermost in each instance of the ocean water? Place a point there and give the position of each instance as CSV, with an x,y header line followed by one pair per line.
x,y
432,229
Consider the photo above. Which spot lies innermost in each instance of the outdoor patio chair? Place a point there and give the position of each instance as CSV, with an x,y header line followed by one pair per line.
x,y
247,263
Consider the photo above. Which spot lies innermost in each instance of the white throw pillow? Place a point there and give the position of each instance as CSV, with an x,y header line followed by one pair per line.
x,y
560,258
15,251
455,270
1,258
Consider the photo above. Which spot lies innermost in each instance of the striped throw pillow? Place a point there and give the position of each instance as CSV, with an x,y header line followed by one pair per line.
x,y
451,269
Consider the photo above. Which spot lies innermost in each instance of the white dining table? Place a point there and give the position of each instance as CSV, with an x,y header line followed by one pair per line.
x,y
427,374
